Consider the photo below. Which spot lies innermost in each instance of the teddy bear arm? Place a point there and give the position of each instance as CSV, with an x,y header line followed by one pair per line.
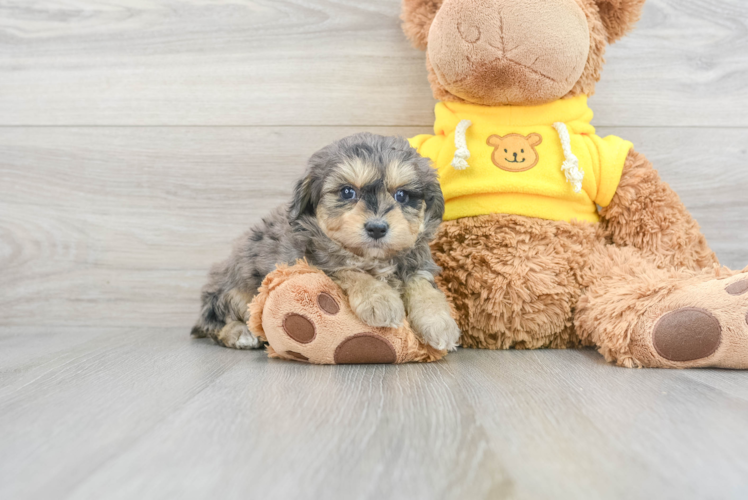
x,y
647,214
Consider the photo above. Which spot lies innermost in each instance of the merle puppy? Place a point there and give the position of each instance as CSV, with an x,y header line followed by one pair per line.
x,y
364,213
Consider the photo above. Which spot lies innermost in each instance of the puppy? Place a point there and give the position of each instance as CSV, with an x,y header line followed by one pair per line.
x,y
364,213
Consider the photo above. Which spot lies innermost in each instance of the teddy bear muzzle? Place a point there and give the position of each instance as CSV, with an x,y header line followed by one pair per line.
x,y
498,52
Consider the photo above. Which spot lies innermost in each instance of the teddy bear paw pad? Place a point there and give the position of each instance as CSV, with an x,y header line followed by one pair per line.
x,y
327,303
738,288
297,355
687,334
365,348
299,328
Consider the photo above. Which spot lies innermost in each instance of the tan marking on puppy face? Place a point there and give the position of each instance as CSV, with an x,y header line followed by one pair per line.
x,y
343,225
406,222
398,175
515,152
354,172
404,230
344,221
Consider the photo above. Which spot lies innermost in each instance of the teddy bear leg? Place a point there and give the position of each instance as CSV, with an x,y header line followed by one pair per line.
x,y
305,316
639,315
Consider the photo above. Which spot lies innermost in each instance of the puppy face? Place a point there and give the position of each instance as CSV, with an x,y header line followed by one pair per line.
x,y
373,195
372,212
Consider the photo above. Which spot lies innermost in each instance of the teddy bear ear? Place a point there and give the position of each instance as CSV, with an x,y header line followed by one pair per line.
x,y
535,139
619,16
417,16
494,140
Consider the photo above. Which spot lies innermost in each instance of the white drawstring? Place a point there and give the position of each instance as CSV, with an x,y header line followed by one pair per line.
x,y
462,153
571,166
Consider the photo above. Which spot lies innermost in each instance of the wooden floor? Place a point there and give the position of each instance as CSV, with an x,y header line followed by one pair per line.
x,y
144,413
138,139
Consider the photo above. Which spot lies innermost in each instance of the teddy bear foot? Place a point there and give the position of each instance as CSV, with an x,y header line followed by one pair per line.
x,y
703,325
304,316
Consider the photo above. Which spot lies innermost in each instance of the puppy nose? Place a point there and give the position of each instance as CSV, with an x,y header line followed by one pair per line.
x,y
376,228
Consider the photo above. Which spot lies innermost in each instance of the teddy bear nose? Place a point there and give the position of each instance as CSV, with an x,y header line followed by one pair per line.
x,y
376,229
515,156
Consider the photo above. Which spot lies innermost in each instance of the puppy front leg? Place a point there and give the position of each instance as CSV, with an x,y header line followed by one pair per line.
x,y
429,314
374,302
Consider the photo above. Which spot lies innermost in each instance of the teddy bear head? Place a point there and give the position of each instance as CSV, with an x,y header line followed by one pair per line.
x,y
515,52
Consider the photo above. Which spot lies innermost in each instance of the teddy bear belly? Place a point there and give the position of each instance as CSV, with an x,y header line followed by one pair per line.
x,y
514,281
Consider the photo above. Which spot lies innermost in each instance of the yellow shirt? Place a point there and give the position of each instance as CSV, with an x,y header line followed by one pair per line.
x,y
516,157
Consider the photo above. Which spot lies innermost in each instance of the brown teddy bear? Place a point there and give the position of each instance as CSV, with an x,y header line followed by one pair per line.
x,y
553,236
528,258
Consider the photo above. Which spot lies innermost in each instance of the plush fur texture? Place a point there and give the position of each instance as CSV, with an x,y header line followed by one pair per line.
x,y
626,295
519,282
513,280
296,290
497,52
647,214
483,54
348,186
619,16
417,18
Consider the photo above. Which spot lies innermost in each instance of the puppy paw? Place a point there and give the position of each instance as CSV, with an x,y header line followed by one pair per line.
x,y
436,329
381,307
236,335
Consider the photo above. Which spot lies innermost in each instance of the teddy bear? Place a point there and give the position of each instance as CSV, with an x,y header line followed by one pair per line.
x,y
553,236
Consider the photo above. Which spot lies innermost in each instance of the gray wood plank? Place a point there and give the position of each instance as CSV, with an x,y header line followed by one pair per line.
x,y
118,226
66,435
320,62
149,413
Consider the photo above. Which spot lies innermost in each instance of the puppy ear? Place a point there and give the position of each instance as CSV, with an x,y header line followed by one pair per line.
x,y
535,139
417,16
301,203
494,140
434,202
619,16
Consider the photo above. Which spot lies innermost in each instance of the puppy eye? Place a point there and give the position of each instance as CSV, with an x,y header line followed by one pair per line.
x,y
401,196
348,193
